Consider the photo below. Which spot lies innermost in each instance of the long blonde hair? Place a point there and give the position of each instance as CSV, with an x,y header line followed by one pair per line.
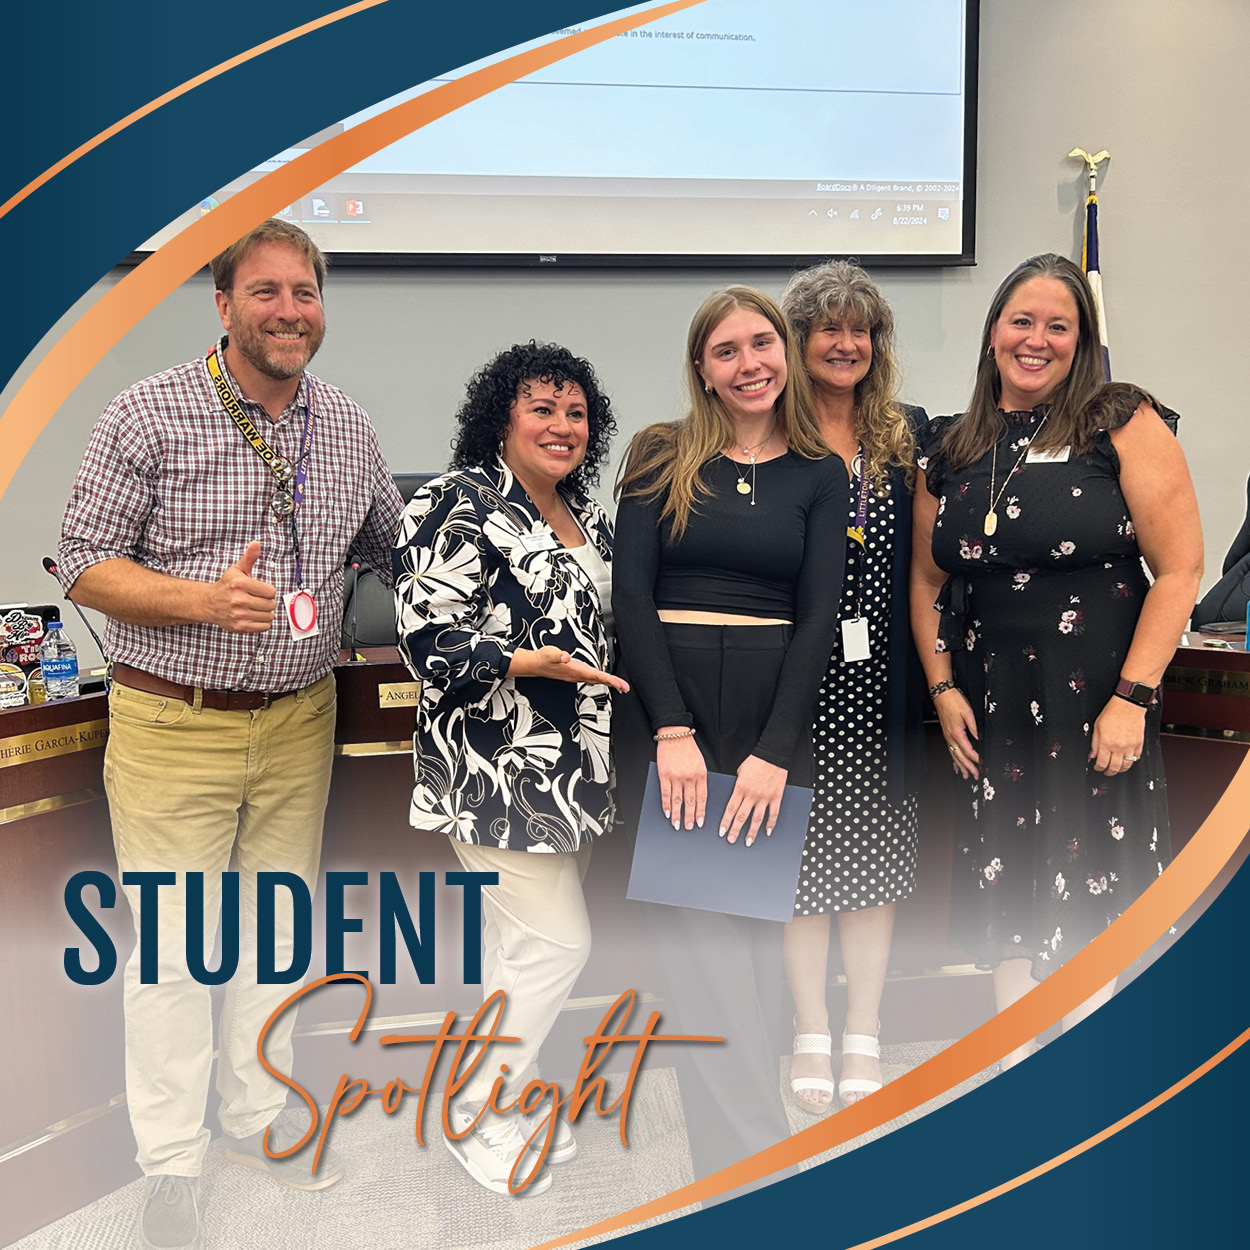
x,y
667,458
837,291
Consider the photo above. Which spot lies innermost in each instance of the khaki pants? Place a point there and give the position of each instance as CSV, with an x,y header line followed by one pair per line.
x,y
188,791
536,939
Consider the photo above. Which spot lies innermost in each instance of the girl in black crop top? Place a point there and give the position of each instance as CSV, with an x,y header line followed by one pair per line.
x,y
730,539
736,515
779,561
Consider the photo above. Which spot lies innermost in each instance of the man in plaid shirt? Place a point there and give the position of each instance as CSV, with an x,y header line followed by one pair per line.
x,y
211,522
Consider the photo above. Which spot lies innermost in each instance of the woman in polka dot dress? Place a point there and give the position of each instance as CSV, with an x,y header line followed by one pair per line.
x,y
860,855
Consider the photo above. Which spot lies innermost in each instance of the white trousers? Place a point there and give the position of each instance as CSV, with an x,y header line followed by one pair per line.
x,y
189,791
536,938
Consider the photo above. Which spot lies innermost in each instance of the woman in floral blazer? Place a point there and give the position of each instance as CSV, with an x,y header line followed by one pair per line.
x,y
502,580
521,766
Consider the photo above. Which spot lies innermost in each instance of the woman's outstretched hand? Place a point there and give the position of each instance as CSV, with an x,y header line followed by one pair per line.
x,y
559,665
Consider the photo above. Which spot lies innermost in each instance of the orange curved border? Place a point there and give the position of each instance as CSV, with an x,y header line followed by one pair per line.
x,y
1105,957
115,313
161,100
85,343
1110,1131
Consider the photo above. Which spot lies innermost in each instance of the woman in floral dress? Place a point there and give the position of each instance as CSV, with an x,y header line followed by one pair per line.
x,y
1043,641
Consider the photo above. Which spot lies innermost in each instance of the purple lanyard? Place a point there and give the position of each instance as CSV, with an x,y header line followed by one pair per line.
x,y
861,509
301,478
856,533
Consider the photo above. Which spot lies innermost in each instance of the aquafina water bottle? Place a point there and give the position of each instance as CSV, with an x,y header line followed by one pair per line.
x,y
58,658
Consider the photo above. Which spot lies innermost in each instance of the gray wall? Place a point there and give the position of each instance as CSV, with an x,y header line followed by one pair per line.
x,y
1162,86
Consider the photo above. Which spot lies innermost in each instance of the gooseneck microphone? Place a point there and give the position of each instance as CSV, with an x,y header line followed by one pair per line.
x,y
352,657
49,565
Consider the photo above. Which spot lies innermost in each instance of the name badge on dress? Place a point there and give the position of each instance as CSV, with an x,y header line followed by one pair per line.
x,y
1058,456
855,644
537,542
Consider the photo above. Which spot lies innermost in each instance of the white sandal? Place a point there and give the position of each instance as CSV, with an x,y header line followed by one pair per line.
x,y
812,1044
859,1044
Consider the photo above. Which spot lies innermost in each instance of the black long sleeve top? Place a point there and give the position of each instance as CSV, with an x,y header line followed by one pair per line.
x,y
782,558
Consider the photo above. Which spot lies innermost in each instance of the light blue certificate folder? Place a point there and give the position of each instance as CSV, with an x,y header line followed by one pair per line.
x,y
698,868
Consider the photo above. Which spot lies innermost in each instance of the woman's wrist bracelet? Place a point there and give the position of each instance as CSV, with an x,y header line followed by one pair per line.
x,y
941,687
673,735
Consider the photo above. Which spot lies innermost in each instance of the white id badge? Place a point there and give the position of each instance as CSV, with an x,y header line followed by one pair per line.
x,y
533,543
301,614
855,639
1058,456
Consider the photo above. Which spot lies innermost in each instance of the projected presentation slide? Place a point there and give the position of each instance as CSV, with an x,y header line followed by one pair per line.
x,y
733,129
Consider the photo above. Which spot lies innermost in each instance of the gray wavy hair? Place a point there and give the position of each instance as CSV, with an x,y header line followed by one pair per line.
x,y
841,291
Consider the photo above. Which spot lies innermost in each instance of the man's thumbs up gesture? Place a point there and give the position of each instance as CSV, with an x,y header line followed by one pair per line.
x,y
240,602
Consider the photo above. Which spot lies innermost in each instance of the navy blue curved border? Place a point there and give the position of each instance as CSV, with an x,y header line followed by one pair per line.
x,y
75,68
1174,1178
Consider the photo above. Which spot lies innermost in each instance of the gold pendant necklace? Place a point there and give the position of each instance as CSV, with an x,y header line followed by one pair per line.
x,y
990,526
752,454
743,487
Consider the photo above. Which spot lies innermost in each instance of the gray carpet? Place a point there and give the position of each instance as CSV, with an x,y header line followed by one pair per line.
x,y
400,1196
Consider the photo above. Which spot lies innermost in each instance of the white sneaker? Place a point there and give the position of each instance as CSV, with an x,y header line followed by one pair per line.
x,y
563,1143
489,1152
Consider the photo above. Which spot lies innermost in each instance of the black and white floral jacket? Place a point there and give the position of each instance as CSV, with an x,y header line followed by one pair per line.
x,y
518,764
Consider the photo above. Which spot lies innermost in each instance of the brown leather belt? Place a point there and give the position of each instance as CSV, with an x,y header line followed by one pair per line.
x,y
216,700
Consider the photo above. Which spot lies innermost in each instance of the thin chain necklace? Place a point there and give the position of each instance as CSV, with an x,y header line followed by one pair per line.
x,y
752,454
991,517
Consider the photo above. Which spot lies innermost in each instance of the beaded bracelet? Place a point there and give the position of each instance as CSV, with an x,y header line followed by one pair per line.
x,y
672,737
941,688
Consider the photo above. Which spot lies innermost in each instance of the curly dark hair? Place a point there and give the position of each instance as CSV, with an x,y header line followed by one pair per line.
x,y
484,415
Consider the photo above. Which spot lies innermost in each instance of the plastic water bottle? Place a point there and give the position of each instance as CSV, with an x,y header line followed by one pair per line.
x,y
58,658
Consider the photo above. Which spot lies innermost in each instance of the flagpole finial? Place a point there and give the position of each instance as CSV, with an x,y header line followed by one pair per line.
x,y
1091,163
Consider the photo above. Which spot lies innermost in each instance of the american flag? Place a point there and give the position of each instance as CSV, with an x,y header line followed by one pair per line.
x,y
1089,262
